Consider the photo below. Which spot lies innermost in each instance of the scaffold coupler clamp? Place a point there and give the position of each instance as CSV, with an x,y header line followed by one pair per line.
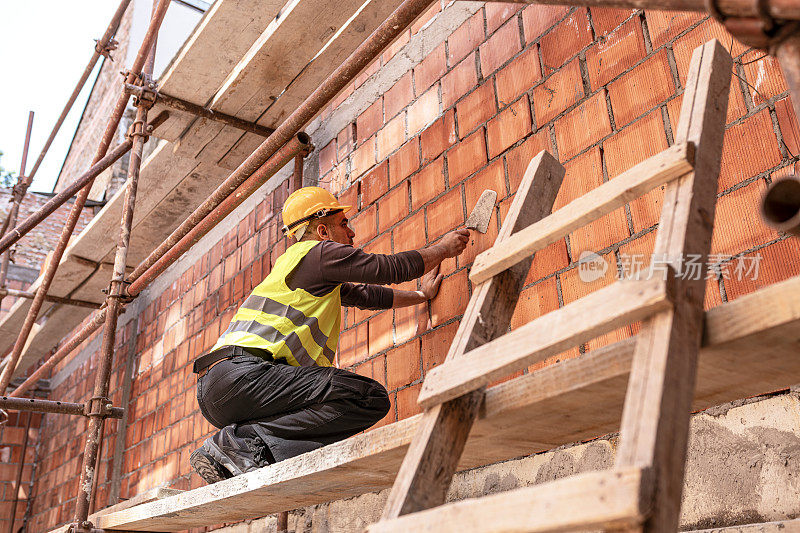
x,y
123,295
105,49
763,31
143,130
84,527
98,406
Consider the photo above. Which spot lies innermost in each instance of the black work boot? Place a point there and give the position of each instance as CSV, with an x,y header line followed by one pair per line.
x,y
224,455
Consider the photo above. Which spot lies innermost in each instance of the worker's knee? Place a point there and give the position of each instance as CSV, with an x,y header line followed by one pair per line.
x,y
379,400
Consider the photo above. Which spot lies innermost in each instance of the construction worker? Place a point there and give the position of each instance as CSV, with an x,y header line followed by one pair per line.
x,y
268,383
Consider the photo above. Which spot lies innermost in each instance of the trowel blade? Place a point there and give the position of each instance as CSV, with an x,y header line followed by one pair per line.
x,y
482,212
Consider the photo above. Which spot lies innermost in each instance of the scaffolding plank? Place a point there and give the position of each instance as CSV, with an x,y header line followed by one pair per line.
x,y
604,500
602,311
505,427
613,194
319,68
221,38
283,51
150,495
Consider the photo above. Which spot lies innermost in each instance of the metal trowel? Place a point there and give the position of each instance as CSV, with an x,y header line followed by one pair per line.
x,y
482,212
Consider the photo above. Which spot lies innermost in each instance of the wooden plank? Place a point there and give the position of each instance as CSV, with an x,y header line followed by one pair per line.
x,y
325,62
655,423
157,493
278,56
602,311
593,500
428,468
631,184
221,38
589,407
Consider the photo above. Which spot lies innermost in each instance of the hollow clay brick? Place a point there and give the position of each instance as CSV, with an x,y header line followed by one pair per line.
x,y
370,120
391,136
466,38
518,76
500,47
641,89
499,12
536,19
392,207
635,143
606,19
423,111
511,125
475,109
616,53
459,81
569,37
438,137
582,126
430,69
375,184
466,157
427,183
403,162
398,96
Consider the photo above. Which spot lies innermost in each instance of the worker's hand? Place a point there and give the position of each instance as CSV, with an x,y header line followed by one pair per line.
x,y
455,242
430,282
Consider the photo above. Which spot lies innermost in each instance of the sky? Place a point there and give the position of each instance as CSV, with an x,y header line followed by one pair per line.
x,y
46,44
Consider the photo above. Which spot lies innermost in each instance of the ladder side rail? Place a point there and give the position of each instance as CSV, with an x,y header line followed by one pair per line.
x,y
655,422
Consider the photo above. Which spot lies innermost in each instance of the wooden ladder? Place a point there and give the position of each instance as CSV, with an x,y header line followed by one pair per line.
x,y
642,491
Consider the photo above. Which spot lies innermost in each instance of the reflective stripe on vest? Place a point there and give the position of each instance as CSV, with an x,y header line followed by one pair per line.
x,y
293,325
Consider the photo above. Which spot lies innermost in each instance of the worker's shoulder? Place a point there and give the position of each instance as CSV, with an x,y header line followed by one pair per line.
x,y
335,249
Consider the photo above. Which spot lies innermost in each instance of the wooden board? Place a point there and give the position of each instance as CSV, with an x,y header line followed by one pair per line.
x,y
505,428
150,495
654,430
604,310
631,184
221,38
602,500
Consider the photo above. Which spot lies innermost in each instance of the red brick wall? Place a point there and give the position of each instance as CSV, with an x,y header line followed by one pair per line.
x,y
33,247
12,435
599,88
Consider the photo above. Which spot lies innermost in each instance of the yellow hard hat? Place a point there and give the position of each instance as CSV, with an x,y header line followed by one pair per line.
x,y
306,204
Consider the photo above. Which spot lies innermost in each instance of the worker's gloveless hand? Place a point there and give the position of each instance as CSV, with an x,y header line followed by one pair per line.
x,y
430,282
455,242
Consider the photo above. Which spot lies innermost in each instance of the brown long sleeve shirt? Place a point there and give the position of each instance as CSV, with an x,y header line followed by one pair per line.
x,y
360,274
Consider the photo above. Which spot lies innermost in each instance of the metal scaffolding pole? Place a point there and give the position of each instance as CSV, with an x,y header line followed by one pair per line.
x,y
74,215
70,190
17,196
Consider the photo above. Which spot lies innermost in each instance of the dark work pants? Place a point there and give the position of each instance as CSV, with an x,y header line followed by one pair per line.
x,y
292,409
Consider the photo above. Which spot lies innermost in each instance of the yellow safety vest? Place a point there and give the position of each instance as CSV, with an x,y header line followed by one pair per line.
x,y
293,325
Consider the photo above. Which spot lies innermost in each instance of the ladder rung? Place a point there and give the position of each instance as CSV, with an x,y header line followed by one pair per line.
x,y
603,500
600,312
615,193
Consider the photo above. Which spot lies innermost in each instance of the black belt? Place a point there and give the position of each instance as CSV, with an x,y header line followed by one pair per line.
x,y
227,352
